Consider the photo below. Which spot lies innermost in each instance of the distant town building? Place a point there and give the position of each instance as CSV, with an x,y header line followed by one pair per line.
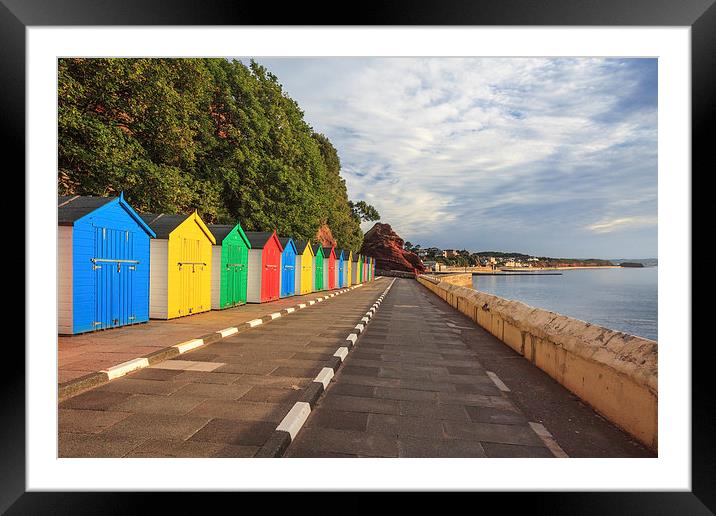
x,y
430,264
447,253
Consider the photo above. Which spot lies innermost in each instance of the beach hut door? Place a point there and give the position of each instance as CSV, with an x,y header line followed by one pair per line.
x,y
319,273
114,267
191,272
288,279
270,279
236,259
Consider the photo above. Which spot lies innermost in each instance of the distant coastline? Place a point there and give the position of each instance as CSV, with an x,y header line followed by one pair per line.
x,y
559,268
448,269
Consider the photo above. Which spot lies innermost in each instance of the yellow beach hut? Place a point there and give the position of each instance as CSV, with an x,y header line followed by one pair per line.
x,y
304,267
180,265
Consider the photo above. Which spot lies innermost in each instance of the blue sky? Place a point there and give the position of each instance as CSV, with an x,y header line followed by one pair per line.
x,y
553,157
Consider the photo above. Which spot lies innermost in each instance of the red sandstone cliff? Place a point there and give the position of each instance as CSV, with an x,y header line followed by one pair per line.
x,y
386,246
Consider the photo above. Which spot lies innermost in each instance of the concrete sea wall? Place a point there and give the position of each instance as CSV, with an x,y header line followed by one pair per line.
x,y
614,372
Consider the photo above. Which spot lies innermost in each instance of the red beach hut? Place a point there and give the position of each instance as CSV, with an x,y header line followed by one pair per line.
x,y
264,267
329,268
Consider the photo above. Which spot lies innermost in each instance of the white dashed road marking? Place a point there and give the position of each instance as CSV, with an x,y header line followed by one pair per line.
x,y
499,383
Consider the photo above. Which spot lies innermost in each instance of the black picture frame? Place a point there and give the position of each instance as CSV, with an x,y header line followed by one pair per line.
x,y
700,15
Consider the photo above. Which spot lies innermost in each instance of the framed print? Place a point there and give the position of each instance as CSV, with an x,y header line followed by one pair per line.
x,y
415,250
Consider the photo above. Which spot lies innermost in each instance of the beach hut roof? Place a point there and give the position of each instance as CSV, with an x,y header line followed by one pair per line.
x,y
221,231
317,248
341,252
301,246
327,251
286,241
71,208
164,223
356,257
259,239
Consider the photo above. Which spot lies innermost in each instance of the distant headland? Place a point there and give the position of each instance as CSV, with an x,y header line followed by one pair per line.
x,y
631,264
439,259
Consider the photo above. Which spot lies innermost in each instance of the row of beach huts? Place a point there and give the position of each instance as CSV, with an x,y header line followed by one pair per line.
x,y
117,267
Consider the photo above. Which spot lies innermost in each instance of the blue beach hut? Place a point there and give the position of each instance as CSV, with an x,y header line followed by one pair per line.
x,y
341,266
288,267
102,264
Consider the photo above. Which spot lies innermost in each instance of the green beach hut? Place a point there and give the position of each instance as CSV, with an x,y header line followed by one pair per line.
x,y
229,266
318,268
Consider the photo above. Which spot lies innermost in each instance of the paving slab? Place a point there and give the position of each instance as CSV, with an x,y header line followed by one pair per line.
x,y
244,433
340,420
133,385
361,404
96,400
153,425
406,426
88,421
351,442
213,390
267,394
175,405
190,449
239,410
96,445
417,447
510,450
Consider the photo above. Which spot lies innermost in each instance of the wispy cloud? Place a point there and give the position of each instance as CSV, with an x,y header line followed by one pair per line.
x,y
515,153
608,226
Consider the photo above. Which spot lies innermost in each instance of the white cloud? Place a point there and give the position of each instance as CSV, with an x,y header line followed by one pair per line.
x,y
608,226
443,147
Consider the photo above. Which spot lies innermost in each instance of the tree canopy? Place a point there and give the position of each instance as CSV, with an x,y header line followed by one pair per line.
x,y
364,211
212,134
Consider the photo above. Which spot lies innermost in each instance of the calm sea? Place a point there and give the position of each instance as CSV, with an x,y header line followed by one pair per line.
x,y
623,299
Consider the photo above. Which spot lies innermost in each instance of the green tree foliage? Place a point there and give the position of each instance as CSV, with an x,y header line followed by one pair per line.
x,y
339,209
364,211
212,134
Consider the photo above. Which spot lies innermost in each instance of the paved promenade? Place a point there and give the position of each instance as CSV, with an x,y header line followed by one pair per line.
x,y
425,381
421,381
222,400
